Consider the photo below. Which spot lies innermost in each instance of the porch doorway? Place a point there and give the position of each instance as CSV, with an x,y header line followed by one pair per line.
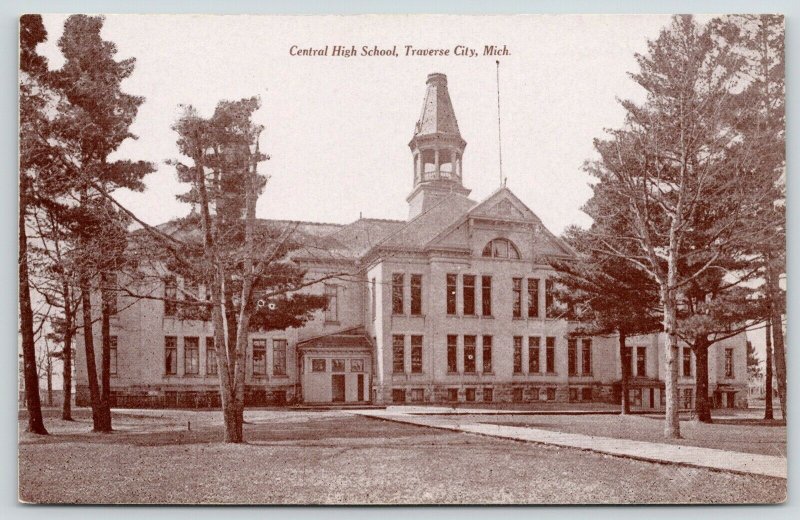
x,y
338,388
361,396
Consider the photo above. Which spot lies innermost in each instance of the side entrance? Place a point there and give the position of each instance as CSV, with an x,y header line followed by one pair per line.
x,y
336,368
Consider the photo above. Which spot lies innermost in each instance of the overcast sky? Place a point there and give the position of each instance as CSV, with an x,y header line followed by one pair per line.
x,y
338,128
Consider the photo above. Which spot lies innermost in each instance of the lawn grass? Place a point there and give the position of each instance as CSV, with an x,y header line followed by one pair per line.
x,y
334,457
726,433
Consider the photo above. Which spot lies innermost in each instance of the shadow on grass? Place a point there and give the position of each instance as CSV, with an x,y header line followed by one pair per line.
x,y
262,433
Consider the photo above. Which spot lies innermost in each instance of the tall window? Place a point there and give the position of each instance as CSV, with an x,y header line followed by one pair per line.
x,y
728,362
191,355
170,297
517,354
279,357
111,293
211,357
572,356
259,357
487,354
687,362
486,295
586,356
452,353
397,293
641,361
533,355
549,300
451,293
687,397
398,354
113,356
332,296
416,354
374,298
416,294
516,295
170,355
469,354
501,248
550,358
469,294
533,297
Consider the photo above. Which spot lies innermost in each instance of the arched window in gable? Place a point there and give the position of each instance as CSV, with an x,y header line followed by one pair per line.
x,y
501,248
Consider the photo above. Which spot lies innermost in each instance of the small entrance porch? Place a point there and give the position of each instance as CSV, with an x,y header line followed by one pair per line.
x,y
336,368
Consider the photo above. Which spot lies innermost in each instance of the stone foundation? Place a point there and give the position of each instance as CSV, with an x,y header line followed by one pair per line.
x,y
205,398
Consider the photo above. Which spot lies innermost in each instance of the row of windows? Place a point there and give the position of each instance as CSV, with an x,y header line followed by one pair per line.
x,y
470,285
191,356
469,354
398,294
534,355
337,365
399,354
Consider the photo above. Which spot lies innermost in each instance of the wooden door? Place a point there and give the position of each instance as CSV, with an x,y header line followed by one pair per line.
x,y
337,388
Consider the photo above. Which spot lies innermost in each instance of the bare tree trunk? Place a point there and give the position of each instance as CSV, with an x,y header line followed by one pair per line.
x,y
88,344
105,358
226,359
768,413
702,407
776,318
49,380
31,376
672,427
625,360
66,407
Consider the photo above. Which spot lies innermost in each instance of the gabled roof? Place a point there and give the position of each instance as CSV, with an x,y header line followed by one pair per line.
x,y
316,240
430,228
423,228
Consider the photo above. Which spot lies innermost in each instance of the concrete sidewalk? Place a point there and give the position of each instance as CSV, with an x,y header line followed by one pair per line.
x,y
721,460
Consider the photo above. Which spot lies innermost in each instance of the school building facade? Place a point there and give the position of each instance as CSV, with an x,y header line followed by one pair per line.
x,y
452,305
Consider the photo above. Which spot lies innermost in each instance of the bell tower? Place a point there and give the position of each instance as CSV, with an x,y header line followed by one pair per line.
x,y
437,148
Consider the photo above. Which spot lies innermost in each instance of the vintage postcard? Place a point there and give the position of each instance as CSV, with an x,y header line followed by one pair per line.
x,y
418,259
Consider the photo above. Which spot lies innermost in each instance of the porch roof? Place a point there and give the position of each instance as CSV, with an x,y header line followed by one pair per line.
x,y
350,339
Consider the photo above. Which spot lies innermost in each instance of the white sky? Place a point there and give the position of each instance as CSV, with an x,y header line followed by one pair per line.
x,y
338,128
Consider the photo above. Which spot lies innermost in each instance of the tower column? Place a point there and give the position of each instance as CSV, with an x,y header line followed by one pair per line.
x,y
436,160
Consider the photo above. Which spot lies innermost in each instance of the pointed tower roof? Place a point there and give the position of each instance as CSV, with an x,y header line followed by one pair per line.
x,y
438,116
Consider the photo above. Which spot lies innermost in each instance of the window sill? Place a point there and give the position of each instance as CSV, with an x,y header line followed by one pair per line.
x,y
280,376
191,375
487,317
332,322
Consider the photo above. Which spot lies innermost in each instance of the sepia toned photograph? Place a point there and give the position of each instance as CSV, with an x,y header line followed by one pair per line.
x,y
402,259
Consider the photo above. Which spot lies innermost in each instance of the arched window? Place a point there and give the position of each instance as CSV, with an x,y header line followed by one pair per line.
x,y
501,248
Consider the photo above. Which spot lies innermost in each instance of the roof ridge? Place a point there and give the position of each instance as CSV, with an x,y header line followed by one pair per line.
x,y
292,221
422,214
